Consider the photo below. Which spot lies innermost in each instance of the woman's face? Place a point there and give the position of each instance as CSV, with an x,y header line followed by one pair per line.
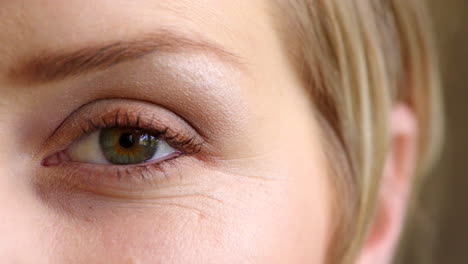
x,y
155,132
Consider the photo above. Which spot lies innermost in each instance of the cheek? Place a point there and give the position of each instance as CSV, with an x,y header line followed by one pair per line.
x,y
271,209
244,220
274,209
307,203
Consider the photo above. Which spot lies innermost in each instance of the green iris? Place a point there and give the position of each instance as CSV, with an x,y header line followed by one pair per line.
x,y
123,146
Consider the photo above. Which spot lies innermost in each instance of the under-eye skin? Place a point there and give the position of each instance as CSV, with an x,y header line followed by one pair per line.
x,y
123,140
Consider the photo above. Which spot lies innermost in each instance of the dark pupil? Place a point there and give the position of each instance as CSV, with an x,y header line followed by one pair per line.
x,y
127,140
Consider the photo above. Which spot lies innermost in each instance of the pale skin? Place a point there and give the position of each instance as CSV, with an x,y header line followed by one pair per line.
x,y
256,192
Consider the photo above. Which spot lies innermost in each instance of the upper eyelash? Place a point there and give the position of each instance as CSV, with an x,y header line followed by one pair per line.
x,y
188,144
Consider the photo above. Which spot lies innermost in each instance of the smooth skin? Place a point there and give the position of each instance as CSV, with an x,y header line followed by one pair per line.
x,y
259,192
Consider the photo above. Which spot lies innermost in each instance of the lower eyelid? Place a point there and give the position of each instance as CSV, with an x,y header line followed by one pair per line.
x,y
111,180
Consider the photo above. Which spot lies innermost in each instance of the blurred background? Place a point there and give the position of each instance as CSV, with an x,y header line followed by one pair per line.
x,y
438,231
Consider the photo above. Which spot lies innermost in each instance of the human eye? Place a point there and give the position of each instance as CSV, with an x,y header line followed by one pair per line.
x,y
116,141
125,145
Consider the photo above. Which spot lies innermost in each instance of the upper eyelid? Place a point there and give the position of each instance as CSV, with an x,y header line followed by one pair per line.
x,y
92,126
96,101
163,119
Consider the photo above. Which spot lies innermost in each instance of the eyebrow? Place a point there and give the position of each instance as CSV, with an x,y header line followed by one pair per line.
x,y
54,66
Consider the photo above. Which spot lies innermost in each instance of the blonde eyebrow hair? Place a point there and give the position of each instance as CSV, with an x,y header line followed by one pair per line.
x,y
58,65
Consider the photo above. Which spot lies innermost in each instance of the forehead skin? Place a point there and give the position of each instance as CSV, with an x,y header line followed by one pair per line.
x,y
257,221
32,26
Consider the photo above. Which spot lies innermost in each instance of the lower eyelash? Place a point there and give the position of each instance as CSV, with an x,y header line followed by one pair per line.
x,y
158,166
116,181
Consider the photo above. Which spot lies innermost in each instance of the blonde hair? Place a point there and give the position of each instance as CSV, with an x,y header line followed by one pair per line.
x,y
358,58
